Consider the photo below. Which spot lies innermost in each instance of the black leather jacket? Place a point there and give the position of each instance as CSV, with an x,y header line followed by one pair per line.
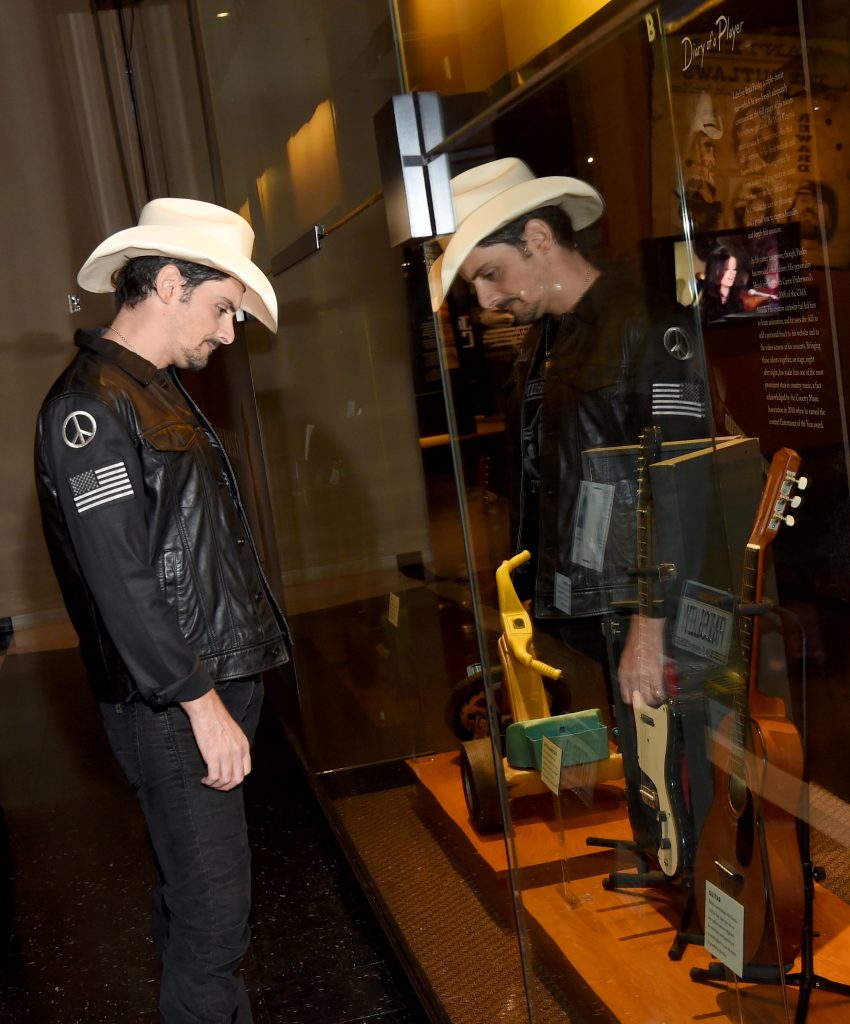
x,y
622,361
147,534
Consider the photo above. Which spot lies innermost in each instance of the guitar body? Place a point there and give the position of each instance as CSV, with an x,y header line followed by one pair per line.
x,y
660,756
749,846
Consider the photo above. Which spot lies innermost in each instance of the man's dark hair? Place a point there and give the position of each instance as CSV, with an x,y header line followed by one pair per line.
x,y
513,233
137,278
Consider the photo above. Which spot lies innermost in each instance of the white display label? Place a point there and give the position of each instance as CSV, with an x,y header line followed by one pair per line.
x,y
724,928
593,519
563,593
551,758
392,612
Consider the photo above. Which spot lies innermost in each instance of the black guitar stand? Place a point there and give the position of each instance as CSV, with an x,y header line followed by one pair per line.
x,y
646,876
806,980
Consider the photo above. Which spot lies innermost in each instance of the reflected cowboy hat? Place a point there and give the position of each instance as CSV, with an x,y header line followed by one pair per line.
x,y
490,196
187,229
705,120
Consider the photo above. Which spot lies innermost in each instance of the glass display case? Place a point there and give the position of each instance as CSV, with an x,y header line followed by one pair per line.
x,y
569,676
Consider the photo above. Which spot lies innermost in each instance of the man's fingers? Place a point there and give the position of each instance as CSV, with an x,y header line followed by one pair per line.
x,y
222,744
221,783
228,774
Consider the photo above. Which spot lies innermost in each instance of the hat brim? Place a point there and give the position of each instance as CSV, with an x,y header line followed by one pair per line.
x,y
179,243
580,201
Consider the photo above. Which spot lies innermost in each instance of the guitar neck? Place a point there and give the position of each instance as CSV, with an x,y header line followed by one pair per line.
x,y
751,593
644,555
650,446
755,703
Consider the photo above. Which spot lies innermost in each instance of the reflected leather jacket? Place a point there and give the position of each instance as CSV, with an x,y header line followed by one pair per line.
x,y
621,361
147,534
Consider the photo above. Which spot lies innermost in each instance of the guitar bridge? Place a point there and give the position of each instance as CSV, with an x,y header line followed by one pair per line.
x,y
728,872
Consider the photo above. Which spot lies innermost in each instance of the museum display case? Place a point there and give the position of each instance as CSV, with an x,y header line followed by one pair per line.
x,y
586,762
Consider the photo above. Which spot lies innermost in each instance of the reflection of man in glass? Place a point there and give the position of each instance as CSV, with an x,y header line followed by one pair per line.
x,y
603,361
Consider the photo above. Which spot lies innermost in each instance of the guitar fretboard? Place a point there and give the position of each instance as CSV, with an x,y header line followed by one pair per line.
x,y
751,586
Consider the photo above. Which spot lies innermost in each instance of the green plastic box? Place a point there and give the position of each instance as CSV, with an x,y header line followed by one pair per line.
x,y
581,735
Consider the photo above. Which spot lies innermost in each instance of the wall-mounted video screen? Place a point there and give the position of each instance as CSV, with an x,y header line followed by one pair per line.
x,y
730,275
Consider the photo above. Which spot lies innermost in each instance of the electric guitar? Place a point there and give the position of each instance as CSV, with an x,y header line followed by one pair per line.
x,y
749,847
658,730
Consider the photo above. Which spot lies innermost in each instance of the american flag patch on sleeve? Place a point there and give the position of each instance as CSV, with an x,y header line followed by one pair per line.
x,y
100,486
678,400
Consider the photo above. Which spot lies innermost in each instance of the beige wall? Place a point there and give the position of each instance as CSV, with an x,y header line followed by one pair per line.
x,y
75,170
48,217
71,174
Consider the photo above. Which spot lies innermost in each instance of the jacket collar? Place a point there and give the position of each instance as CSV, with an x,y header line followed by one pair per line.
x,y
136,366
598,298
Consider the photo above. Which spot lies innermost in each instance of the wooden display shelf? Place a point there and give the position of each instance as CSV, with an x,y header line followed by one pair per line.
x,y
617,941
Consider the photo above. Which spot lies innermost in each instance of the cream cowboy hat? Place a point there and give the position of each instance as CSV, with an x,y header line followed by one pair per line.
x,y
186,229
490,196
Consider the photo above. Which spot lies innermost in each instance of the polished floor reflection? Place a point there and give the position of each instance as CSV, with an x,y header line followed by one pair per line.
x,y
75,875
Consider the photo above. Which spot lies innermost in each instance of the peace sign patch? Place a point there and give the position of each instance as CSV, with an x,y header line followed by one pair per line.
x,y
78,429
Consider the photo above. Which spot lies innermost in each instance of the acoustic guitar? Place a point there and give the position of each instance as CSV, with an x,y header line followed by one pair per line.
x,y
749,848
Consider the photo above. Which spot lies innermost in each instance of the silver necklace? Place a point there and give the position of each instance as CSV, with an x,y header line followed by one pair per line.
x,y
115,330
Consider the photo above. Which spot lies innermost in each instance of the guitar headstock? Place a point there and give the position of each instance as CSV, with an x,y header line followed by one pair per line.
x,y
780,491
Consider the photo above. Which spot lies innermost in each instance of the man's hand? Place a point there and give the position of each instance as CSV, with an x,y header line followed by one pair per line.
x,y
223,745
641,668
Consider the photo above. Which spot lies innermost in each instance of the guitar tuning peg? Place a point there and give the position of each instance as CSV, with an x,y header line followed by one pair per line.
x,y
796,501
788,520
802,483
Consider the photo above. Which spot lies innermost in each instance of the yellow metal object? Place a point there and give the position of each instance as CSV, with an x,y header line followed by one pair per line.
x,y
525,694
524,688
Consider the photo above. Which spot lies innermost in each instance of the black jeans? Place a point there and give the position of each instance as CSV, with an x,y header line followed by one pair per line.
x,y
200,846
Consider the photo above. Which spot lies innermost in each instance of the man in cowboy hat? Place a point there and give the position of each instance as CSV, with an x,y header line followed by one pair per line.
x,y
603,361
161,578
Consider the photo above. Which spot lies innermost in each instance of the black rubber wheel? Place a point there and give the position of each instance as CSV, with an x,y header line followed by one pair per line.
x,y
466,709
480,786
